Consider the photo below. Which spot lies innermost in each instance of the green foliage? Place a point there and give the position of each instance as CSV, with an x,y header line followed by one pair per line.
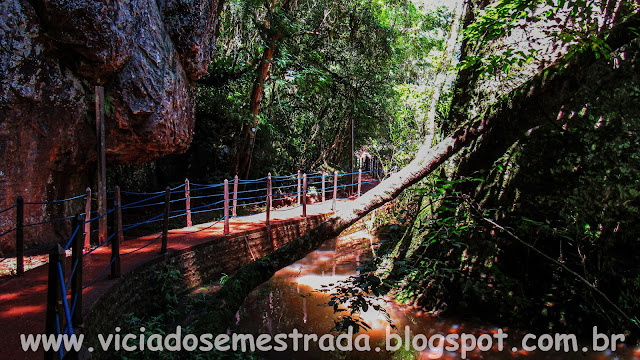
x,y
335,61
353,296
171,307
224,278
440,230
492,24
169,279
166,308
569,188
582,30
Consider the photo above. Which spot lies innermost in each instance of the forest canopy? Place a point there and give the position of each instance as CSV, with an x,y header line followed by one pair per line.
x,y
330,63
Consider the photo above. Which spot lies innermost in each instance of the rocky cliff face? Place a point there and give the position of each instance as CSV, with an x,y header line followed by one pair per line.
x,y
146,53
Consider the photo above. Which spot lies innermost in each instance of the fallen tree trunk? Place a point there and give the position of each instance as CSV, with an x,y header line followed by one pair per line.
x,y
520,110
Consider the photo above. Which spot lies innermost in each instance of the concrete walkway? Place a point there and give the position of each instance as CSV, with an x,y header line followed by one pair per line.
x,y
23,299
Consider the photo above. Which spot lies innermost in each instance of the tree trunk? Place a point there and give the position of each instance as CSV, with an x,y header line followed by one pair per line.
x,y
520,110
443,73
247,140
248,137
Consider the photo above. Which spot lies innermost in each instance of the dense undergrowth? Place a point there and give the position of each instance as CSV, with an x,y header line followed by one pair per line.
x,y
171,310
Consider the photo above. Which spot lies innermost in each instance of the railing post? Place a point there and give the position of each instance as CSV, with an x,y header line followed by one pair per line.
x,y
187,205
304,195
165,228
102,165
76,263
115,241
118,215
235,196
335,190
270,189
324,174
226,207
359,182
55,311
298,187
87,223
20,236
269,195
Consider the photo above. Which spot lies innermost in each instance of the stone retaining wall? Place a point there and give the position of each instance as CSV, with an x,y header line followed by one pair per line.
x,y
199,265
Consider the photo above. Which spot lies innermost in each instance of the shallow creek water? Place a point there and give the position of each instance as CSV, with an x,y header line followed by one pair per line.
x,y
291,300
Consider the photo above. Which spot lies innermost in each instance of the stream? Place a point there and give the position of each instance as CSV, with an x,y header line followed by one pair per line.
x,y
291,300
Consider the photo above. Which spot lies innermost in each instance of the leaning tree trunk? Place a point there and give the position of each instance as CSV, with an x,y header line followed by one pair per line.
x,y
521,109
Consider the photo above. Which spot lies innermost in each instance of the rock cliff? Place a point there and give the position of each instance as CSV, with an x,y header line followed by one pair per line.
x,y
145,53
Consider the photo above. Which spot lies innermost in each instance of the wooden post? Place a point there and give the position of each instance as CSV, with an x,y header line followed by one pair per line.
x,y
270,190
117,239
351,158
20,236
268,218
359,181
226,207
335,190
167,211
187,195
102,165
235,196
324,174
118,215
76,263
55,310
304,196
87,224
298,187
